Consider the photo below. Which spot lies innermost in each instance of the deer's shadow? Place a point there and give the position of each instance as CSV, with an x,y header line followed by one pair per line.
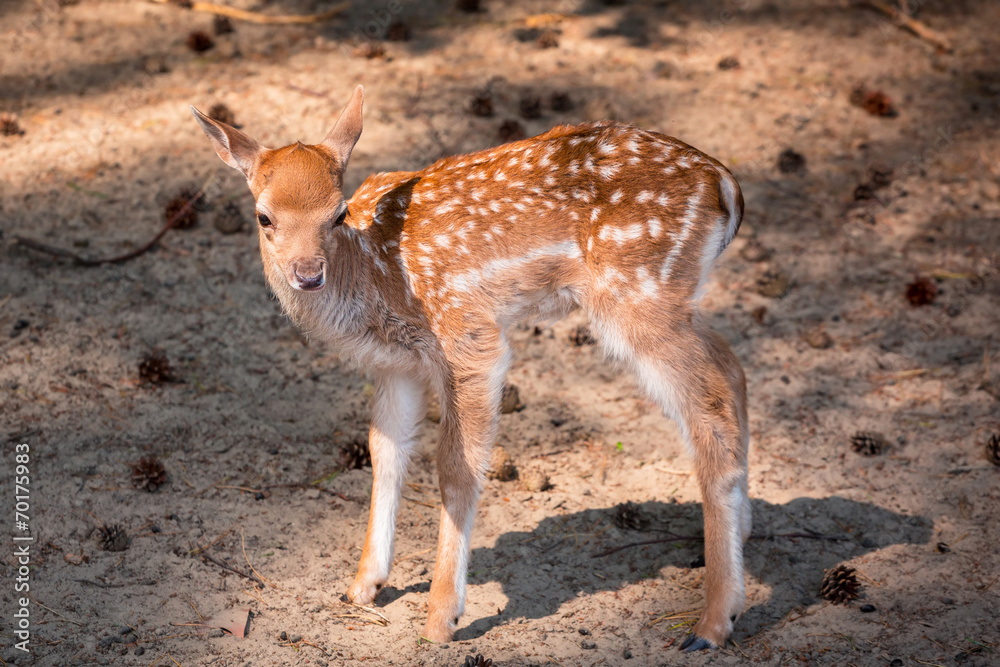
x,y
792,567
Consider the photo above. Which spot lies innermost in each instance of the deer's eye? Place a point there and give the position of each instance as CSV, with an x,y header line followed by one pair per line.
x,y
263,220
340,218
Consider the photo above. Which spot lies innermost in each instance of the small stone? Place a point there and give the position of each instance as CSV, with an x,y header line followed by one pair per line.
x,y
698,562
943,547
583,631
627,654
588,645
295,639
283,636
867,608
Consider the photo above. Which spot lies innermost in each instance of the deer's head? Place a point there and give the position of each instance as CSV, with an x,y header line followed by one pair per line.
x,y
298,193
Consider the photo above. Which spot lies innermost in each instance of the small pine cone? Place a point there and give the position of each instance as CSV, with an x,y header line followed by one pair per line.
x,y
9,125
182,210
223,114
921,292
511,400
477,661
200,41
148,473
113,537
355,455
993,449
628,516
840,585
581,336
510,130
869,443
155,368
530,106
502,466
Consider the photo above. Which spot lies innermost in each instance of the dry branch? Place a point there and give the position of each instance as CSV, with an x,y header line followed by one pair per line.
x,y
904,20
255,17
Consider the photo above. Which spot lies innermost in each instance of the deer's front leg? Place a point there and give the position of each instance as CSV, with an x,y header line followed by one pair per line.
x,y
399,405
468,428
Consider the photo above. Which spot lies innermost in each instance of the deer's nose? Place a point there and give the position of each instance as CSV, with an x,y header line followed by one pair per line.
x,y
309,274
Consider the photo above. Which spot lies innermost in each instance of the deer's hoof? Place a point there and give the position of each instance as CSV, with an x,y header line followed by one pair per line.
x,y
695,643
362,593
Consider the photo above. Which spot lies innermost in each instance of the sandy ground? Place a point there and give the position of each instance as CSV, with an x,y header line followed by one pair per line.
x,y
101,90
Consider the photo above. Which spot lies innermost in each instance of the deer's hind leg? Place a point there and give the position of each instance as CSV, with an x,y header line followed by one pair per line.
x,y
470,407
693,375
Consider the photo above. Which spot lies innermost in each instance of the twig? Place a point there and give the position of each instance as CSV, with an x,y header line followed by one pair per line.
x,y
69,620
98,583
232,569
84,261
255,17
903,20
701,538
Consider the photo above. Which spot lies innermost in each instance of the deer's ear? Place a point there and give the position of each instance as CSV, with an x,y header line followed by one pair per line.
x,y
235,148
347,131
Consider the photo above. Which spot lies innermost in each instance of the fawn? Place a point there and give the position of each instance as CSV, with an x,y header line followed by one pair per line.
x,y
421,274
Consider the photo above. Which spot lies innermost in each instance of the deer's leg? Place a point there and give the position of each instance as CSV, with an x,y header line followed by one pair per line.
x,y
399,405
470,408
700,384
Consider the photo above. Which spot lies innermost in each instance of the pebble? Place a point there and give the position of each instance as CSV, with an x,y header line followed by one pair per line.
x,y
627,654
588,645
867,608
583,631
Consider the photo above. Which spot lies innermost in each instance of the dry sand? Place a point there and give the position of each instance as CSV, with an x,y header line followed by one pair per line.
x,y
101,89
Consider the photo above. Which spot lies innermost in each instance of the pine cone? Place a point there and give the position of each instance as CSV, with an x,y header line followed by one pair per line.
x,y
501,466
628,516
511,400
155,368
148,473
840,585
9,125
200,41
223,114
355,455
581,336
113,538
993,449
869,443
182,210
921,292
477,661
